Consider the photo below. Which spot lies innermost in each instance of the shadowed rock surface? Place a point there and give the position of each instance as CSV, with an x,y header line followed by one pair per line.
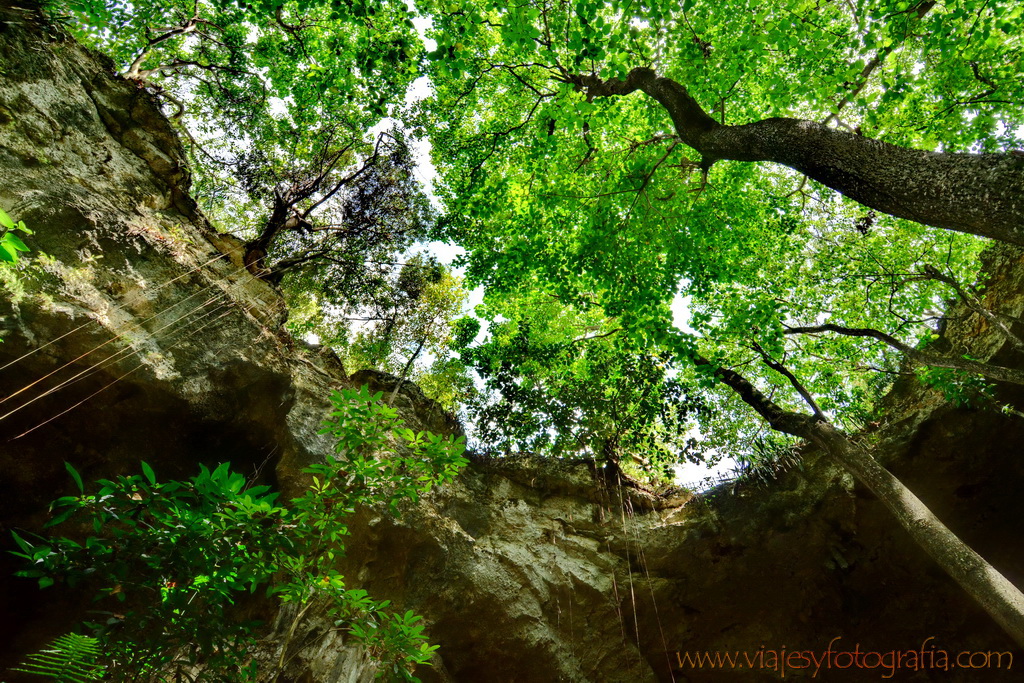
x,y
523,571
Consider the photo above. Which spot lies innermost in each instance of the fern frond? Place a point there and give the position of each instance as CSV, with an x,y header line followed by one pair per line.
x,y
68,659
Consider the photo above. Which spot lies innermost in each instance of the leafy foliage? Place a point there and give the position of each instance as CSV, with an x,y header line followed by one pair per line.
x,y
281,104
176,557
231,58
591,199
12,255
175,554
596,200
959,388
71,658
404,328
563,381
12,246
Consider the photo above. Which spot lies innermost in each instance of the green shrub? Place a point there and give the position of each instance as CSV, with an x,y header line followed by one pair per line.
x,y
169,561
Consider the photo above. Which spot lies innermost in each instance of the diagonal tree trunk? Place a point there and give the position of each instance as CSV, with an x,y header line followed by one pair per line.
x,y
979,194
1001,599
256,250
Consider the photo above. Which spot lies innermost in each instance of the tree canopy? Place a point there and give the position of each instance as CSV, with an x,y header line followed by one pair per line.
x,y
288,151
727,216
585,151
563,381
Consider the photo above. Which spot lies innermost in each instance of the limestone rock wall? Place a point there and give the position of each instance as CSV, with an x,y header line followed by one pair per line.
x,y
159,346
534,572
138,335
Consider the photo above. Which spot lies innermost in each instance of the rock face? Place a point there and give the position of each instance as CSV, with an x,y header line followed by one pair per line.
x,y
141,337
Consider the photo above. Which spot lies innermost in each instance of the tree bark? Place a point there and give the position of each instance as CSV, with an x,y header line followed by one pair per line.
x,y
256,250
405,370
979,194
1001,599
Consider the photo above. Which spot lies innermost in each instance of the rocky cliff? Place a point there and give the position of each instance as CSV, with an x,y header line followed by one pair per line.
x,y
140,336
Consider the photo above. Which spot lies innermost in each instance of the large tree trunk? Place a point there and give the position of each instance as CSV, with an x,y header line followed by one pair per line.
x,y
980,194
256,250
993,591
1001,599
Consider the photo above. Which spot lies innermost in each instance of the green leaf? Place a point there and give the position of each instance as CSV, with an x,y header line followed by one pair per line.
x,y
148,471
8,253
221,472
61,517
70,658
5,220
74,475
15,241
22,543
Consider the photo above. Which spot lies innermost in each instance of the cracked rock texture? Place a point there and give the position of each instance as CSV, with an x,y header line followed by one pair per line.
x,y
165,349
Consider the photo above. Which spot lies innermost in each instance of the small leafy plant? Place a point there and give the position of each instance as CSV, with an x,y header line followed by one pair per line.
x,y
11,246
960,388
171,561
70,658
165,563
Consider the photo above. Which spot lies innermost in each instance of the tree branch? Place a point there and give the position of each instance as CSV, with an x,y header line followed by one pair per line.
x,y
979,194
133,73
995,372
690,119
782,370
788,422
596,336
997,595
